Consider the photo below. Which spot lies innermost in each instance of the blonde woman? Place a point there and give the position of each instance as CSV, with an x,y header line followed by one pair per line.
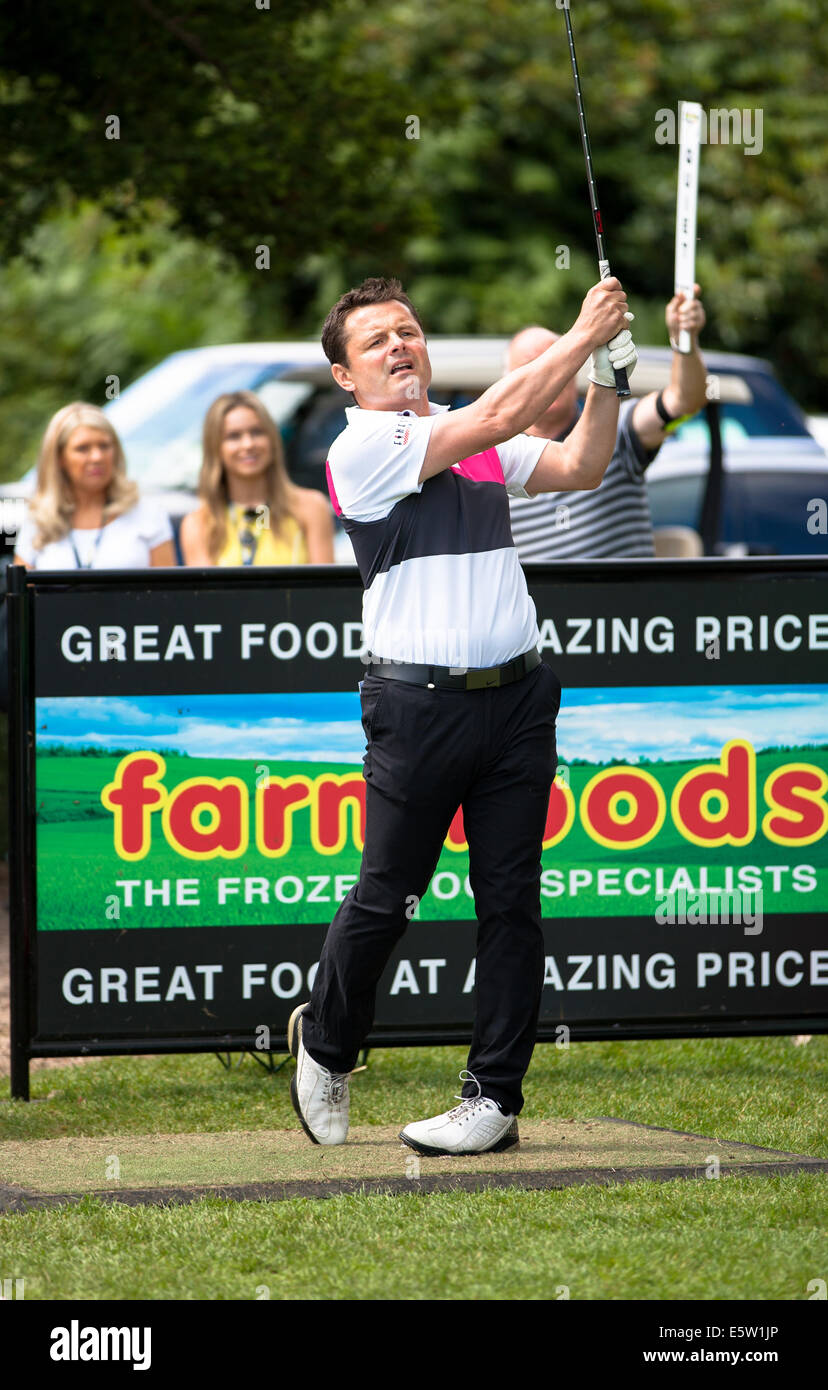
x,y
86,514
251,513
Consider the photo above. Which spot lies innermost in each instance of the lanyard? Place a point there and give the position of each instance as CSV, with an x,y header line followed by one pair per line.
x,y
93,553
248,538
249,544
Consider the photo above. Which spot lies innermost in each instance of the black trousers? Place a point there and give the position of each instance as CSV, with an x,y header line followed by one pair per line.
x,y
429,751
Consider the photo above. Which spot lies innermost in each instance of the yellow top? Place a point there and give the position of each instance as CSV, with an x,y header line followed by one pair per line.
x,y
250,541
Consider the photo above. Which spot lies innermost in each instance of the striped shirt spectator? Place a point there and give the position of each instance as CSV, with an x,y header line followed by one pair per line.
x,y
612,521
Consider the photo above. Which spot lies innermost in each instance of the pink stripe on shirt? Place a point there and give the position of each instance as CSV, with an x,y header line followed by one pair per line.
x,y
332,490
481,468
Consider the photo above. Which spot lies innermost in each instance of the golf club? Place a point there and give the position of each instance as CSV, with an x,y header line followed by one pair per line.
x,y
622,386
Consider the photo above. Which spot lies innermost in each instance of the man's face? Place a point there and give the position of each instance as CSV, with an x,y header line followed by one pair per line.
x,y
387,365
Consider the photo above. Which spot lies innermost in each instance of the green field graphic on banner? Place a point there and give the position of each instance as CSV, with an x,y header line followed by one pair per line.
x,y
144,821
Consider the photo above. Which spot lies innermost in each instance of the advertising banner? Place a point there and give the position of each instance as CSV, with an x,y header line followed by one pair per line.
x,y
197,805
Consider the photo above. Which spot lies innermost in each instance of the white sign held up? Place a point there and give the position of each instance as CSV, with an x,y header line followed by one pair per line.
x,y
690,124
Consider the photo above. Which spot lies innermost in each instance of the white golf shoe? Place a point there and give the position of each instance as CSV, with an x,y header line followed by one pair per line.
x,y
475,1126
320,1097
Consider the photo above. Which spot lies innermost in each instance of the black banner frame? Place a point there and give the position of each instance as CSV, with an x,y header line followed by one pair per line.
x,y
21,586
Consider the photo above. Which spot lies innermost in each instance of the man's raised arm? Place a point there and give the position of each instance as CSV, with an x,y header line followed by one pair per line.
x,y
687,389
514,402
579,462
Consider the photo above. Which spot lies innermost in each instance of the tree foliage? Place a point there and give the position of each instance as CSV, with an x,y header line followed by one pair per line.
x,y
246,121
500,161
288,127
90,302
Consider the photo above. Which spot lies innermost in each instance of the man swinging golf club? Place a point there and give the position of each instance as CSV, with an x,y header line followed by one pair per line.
x,y
457,706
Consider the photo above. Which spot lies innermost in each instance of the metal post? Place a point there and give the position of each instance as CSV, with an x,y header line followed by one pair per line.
x,y
21,831
711,511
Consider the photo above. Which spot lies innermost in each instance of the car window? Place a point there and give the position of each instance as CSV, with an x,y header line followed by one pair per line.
x,y
767,513
696,431
676,501
770,413
163,446
314,426
282,399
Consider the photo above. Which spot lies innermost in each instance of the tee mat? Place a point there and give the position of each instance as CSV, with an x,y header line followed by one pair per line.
x,y
274,1165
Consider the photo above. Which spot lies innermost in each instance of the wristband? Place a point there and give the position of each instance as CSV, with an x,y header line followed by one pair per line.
x,y
662,409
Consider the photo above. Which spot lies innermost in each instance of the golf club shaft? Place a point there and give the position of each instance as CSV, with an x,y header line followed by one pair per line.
x,y
622,386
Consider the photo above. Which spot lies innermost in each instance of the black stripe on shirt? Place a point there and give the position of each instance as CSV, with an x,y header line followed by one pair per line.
x,y
451,515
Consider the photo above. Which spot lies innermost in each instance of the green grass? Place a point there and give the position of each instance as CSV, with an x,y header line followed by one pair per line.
x,y
734,1238
730,1239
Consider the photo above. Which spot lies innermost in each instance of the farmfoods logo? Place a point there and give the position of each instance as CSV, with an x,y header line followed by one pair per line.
x,y
622,808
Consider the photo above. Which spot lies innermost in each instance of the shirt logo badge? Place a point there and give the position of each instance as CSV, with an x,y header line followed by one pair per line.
x,y
402,433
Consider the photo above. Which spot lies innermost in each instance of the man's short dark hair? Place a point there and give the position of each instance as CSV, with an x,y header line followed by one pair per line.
x,y
372,291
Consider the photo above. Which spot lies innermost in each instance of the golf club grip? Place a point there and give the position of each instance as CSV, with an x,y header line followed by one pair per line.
x,y
622,385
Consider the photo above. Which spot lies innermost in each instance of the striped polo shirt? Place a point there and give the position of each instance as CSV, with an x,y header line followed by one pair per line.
x,y
443,583
613,520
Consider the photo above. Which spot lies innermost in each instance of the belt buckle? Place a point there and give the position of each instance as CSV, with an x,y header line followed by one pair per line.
x,y
481,680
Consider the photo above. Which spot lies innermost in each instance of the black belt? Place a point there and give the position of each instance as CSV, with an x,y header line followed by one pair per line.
x,y
457,678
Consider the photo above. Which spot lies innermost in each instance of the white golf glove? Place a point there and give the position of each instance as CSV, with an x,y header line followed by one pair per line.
x,y
619,352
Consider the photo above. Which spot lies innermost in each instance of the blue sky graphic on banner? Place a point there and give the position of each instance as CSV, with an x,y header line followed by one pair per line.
x,y
627,724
